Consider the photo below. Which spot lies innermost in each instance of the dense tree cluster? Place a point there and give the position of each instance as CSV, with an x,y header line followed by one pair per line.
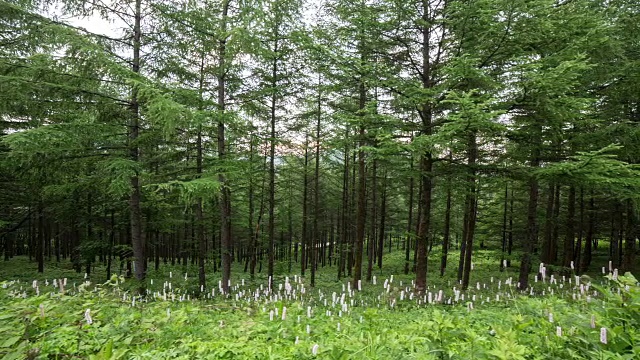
x,y
319,133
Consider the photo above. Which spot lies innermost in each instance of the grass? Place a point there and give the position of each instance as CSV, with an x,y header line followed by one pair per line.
x,y
491,320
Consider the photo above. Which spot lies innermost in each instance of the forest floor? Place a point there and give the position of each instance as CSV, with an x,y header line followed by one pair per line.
x,y
562,317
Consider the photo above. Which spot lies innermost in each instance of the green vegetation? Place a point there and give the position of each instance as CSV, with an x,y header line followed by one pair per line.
x,y
192,152
104,321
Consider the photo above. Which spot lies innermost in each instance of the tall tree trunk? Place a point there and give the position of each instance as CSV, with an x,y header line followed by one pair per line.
x,y
472,206
446,236
510,242
417,227
362,207
252,248
426,158
344,223
463,243
40,238
112,242
352,216
613,237
316,195
547,244
628,260
156,249
374,216
569,241
272,157
532,221
225,194
577,254
255,234
31,245
422,241
202,241
290,227
586,258
333,242
407,249
305,211
555,236
504,226
187,240
90,258
137,241
383,216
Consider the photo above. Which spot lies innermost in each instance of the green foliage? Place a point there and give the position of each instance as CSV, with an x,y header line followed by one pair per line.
x,y
599,169
539,87
121,169
205,188
52,324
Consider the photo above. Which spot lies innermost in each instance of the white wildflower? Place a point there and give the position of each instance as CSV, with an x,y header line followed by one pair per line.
x,y
603,335
87,316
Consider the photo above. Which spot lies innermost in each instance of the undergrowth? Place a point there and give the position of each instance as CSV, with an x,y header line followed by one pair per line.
x,y
569,318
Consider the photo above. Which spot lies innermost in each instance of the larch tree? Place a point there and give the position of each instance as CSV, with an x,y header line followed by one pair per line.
x,y
276,74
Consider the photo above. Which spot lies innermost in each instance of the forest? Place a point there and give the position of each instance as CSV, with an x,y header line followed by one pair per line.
x,y
229,148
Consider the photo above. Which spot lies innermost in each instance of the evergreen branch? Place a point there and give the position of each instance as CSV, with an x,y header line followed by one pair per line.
x,y
46,20
65,74
65,87
18,225
501,42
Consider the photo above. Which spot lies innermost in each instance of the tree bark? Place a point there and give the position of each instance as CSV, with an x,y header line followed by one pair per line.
x,y
569,241
40,239
532,221
586,258
374,214
471,206
272,157
361,208
510,235
504,226
547,245
137,241
225,195
252,248
305,207
352,216
446,236
426,158
556,226
316,195
409,221
202,241
613,238
344,223
577,253
628,260
383,216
